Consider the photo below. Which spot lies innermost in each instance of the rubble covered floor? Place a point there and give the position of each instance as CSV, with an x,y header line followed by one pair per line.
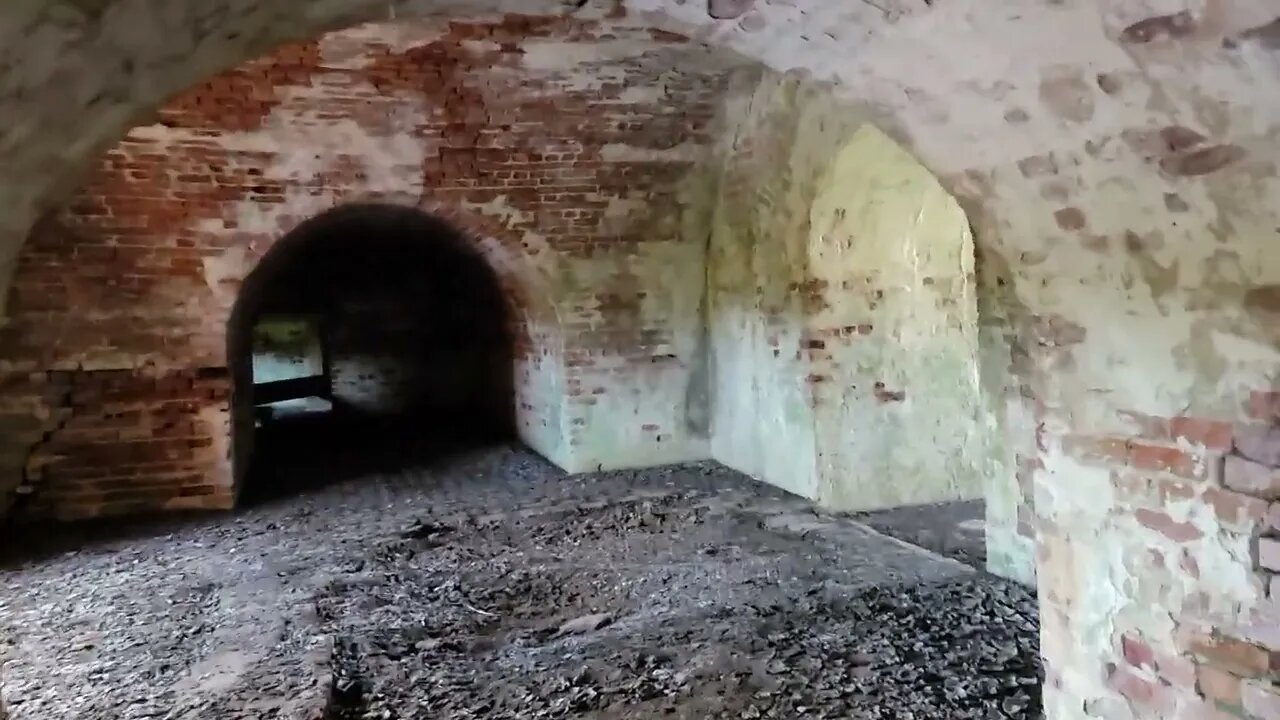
x,y
489,585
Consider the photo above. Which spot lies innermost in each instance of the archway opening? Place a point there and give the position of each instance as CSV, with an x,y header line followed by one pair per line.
x,y
369,338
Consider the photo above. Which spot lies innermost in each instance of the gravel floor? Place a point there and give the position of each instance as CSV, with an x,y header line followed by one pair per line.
x,y
491,586
956,530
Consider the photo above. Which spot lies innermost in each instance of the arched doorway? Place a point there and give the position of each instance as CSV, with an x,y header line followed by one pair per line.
x,y
368,333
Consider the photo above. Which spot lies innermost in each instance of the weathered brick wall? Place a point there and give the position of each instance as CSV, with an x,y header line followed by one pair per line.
x,y
131,441
558,143
1188,509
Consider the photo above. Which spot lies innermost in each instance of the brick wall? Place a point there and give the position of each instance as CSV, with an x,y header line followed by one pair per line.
x,y
131,441
556,143
1190,519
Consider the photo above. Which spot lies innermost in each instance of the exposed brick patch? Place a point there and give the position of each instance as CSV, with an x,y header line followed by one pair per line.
x,y
1137,652
1178,461
1070,218
1264,405
1240,658
135,442
1218,686
1259,443
1213,435
1137,454
1165,459
1179,137
1137,688
1205,161
1236,511
1177,531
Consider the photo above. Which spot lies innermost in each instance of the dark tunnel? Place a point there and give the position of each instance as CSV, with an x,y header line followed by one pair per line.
x,y
370,338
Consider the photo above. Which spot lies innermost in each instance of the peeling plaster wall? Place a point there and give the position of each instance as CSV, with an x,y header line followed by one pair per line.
x,y
842,310
762,418
893,340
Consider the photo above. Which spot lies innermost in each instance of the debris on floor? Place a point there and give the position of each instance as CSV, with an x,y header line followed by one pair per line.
x,y
956,530
495,587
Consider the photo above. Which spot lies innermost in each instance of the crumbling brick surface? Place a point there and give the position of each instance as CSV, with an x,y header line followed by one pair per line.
x,y
1199,495
548,158
131,441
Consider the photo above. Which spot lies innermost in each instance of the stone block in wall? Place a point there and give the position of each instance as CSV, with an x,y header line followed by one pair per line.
x,y
1251,477
1259,443
1269,553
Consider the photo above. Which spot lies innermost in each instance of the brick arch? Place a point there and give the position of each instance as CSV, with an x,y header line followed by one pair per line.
x,y
414,251
133,281
528,298
526,284
55,136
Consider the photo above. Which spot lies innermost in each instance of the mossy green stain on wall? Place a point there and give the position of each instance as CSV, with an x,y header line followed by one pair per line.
x,y
894,254
762,415
822,222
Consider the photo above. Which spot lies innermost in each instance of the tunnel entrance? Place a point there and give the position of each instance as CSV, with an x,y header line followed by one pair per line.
x,y
370,338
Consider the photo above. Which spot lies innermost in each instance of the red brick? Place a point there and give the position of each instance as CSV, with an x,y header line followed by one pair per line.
x,y
1236,511
1140,690
1239,658
1137,652
1219,686
1211,434
1165,459
1264,405
1176,670
1161,522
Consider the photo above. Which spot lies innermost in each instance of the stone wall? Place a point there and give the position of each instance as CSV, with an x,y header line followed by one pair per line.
x,y
558,144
